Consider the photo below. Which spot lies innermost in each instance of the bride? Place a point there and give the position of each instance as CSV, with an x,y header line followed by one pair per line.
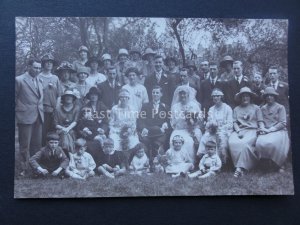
x,y
186,118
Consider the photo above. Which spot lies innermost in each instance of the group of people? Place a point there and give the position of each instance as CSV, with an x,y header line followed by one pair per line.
x,y
147,114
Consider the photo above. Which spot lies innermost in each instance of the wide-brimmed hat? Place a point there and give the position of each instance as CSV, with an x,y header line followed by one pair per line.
x,y
132,69
92,59
226,59
217,92
70,93
135,50
148,51
48,57
270,91
93,91
124,93
242,91
191,63
65,66
83,48
123,51
170,58
83,69
106,56
155,131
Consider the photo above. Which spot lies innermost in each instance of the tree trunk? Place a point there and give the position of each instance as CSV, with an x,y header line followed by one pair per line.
x,y
83,31
176,33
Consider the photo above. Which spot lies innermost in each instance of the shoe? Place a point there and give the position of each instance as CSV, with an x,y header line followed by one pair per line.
x,y
238,173
182,174
176,175
23,173
281,169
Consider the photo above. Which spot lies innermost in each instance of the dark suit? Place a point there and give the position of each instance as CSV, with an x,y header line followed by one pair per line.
x,y
204,96
110,96
29,116
165,83
232,87
47,160
258,91
150,118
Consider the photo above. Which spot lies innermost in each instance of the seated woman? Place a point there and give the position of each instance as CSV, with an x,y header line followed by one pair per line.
x,y
273,141
186,119
220,115
99,110
65,120
89,129
247,118
178,160
122,125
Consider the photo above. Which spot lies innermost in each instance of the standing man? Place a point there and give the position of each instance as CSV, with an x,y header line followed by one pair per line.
x,y
227,65
280,87
29,112
207,86
193,78
160,78
204,70
233,86
51,91
110,88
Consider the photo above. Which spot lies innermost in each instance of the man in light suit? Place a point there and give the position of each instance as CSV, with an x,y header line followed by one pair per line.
x,y
29,112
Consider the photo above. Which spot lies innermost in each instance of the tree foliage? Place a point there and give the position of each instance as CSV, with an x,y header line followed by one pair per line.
x,y
258,43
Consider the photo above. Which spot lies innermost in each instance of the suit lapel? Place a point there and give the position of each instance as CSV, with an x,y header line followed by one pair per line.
x,y
30,84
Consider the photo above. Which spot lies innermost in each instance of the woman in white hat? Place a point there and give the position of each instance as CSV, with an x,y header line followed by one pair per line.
x,y
65,120
220,114
247,119
122,124
273,140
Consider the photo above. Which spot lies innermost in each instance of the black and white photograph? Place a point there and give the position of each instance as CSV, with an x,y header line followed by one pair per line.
x,y
142,106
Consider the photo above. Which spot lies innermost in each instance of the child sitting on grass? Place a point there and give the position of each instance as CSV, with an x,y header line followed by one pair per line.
x,y
112,162
82,164
50,160
210,164
178,159
140,162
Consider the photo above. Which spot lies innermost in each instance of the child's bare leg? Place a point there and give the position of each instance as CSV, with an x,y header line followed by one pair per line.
x,y
102,169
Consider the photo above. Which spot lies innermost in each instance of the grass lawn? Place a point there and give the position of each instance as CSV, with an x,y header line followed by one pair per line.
x,y
255,183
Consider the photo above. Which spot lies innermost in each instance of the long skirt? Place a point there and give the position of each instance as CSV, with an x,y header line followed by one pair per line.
x,y
274,146
188,141
242,149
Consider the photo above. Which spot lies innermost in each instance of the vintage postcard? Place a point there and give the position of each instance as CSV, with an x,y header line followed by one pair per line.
x,y
129,107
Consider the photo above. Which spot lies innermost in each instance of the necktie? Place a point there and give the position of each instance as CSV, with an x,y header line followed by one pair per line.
x,y
34,83
157,77
273,85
